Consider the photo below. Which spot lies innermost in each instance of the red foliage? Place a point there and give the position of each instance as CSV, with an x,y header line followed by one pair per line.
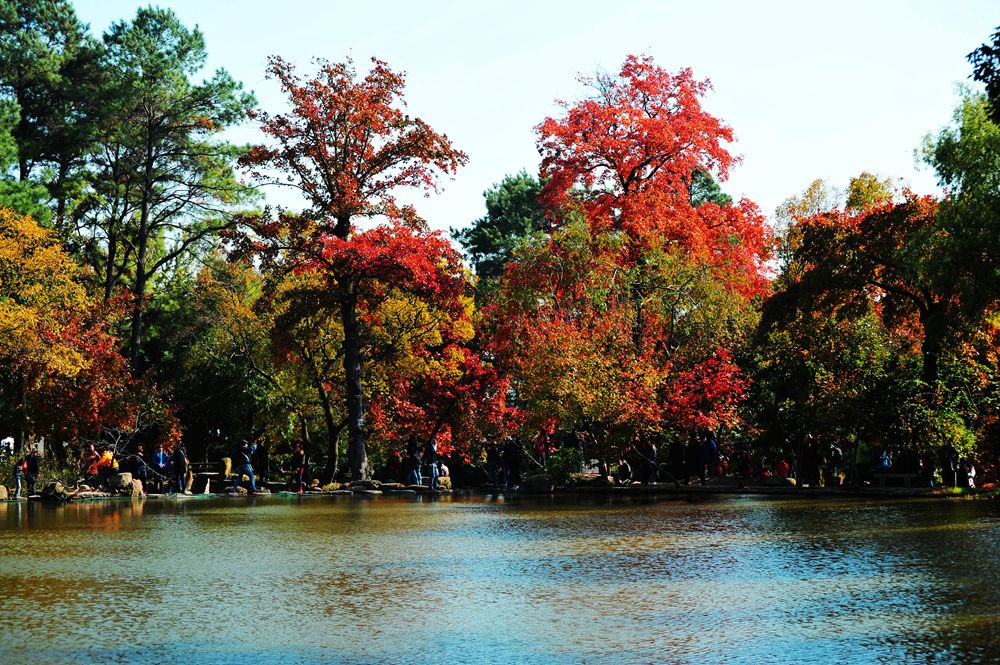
x,y
707,395
465,399
594,329
347,145
400,257
103,395
628,153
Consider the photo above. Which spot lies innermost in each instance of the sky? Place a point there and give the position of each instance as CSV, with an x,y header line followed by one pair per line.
x,y
811,90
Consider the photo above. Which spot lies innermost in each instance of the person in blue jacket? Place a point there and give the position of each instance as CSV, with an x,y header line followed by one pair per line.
x,y
161,464
245,466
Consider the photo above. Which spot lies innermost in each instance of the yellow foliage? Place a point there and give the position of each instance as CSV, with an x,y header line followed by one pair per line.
x,y
39,283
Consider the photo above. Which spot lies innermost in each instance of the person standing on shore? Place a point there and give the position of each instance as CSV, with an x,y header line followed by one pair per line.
x,y
89,463
140,469
692,457
180,460
511,463
806,463
31,469
161,462
298,468
245,467
19,468
261,460
623,476
431,460
492,461
413,460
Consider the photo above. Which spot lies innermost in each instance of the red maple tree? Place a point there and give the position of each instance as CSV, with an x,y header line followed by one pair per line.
x,y
348,146
625,318
627,155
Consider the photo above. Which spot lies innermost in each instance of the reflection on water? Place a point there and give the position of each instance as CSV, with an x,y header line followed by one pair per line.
x,y
320,579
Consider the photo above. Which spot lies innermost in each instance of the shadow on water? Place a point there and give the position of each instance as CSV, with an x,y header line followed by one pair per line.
x,y
599,579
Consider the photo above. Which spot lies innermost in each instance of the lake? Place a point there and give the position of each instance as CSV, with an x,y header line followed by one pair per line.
x,y
284,579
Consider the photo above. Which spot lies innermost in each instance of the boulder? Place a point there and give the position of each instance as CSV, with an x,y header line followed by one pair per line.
x,y
314,483
56,491
538,483
444,482
392,486
367,492
240,490
120,482
365,485
3,493
136,487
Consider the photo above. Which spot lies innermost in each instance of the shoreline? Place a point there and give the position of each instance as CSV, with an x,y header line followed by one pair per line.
x,y
659,490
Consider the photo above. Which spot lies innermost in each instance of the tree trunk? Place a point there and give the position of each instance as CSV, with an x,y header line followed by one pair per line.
x,y
21,425
139,293
357,453
932,321
306,439
109,270
61,197
139,288
332,435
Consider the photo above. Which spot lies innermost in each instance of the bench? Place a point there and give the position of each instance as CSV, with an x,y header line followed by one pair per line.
x,y
906,477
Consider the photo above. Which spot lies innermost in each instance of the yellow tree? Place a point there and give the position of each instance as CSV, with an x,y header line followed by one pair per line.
x,y
61,365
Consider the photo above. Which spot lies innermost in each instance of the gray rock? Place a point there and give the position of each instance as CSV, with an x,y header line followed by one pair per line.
x,y
122,481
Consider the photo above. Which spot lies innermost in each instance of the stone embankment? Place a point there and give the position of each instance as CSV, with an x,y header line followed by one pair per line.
x,y
123,485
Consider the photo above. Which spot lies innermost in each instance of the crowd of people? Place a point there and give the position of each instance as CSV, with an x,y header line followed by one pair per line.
x,y
407,466
644,460
160,472
812,462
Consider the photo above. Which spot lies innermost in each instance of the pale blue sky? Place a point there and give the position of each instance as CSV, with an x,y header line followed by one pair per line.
x,y
811,89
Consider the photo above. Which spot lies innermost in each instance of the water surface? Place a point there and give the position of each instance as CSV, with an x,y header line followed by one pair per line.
x,y
479,580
